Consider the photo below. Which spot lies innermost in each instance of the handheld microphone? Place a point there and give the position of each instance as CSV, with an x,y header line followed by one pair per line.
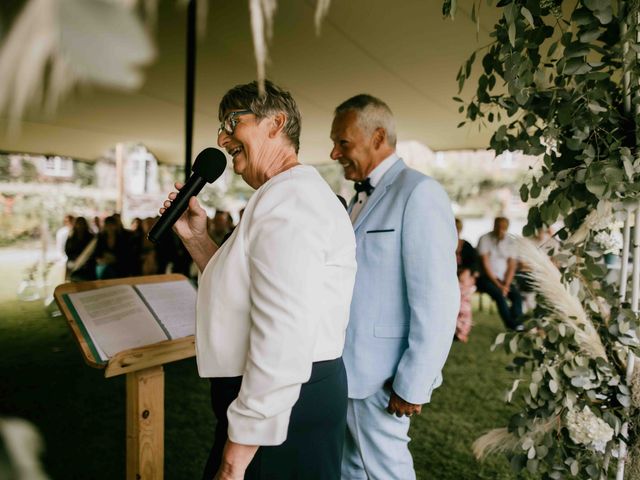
x,y
208,166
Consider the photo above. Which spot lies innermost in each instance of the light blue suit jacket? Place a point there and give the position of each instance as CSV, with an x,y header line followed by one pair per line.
x,y
406,296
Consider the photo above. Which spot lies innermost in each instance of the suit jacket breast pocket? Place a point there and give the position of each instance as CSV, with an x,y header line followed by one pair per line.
x,y
380,246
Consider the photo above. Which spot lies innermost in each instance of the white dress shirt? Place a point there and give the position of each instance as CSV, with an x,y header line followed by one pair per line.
x,y
275,298
374,178
499,251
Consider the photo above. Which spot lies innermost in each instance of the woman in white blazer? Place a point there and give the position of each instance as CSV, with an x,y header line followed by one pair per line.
x,y
273,302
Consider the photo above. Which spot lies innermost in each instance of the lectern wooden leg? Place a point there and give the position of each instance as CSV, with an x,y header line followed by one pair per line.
x,y
145,424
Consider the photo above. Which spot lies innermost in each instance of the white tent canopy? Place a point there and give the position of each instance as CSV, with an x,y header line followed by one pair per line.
x,y
402,52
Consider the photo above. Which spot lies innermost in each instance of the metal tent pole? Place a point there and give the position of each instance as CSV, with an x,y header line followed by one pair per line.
x,y
190,82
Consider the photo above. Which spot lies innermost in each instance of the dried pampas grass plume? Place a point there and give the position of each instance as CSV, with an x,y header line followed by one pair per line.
x,y
635,386
547,282
55,45
322,8
262,12
500,440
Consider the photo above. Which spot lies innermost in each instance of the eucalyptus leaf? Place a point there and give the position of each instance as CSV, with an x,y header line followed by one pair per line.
x,y
596,107
596,185
574,468
576,49
595,5
605,15
513,345
590,35
576,66
582,16
527,14
512,34
625,400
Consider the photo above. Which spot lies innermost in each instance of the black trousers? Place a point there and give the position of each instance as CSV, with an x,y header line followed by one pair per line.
x,y
313,448
510,314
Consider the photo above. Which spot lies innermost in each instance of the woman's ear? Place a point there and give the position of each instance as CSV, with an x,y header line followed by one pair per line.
x,y
277,124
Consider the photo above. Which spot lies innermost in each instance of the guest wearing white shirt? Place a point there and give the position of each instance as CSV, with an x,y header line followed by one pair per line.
x,y
273,302
498,261
62,234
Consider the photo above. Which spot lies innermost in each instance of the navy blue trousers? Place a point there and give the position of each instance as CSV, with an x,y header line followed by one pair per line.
x,y
313,448
510,314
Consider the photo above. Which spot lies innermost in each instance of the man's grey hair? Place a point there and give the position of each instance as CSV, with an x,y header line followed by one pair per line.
x,y
274,100
372,113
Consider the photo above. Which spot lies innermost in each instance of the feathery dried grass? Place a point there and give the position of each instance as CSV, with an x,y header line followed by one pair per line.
x,y
262,12
322,8
64,38
22,69
546,280
500,440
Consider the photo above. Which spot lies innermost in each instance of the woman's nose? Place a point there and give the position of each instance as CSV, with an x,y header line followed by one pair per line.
x,y
223,139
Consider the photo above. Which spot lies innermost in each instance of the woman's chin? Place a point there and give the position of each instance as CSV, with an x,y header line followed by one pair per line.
x,y
238,166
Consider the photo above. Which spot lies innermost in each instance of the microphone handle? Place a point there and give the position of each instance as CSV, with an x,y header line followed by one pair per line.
x,y
177,208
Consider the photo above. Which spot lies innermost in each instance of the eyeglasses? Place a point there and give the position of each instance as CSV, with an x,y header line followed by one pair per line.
x,y
229,123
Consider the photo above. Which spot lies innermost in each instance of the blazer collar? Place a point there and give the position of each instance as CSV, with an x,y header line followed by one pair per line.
x,y
381,189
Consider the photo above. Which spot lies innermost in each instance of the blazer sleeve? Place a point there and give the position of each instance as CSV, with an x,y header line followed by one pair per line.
x,y
286,255
429,242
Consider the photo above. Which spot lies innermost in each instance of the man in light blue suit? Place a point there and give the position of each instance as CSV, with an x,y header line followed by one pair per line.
x,y
406,296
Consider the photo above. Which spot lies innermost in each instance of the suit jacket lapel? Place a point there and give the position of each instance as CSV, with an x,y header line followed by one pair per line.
x,y
352,202
379,192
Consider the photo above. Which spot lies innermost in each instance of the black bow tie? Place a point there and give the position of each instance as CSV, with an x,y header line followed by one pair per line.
x,y
364,186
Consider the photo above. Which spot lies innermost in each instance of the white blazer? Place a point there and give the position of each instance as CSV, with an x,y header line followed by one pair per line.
x,y
275,298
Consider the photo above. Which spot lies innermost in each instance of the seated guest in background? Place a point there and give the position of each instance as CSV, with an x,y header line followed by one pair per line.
x,y
114,253
137,240
96,225
81,263
148,256
62,234
273,302
498,261
467,259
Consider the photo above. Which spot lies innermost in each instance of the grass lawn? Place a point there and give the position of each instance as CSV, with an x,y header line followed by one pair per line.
x,y
82,418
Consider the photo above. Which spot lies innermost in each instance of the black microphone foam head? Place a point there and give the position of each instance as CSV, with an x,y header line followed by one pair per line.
x,y
209,164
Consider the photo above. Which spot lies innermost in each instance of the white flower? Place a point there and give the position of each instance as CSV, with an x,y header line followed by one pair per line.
x,y
610,241
586,428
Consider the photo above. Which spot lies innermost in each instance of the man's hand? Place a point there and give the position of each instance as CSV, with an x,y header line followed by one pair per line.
x,y
399,407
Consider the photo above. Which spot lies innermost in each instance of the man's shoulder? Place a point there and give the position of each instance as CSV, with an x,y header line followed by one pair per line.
x,y
487,238
410,179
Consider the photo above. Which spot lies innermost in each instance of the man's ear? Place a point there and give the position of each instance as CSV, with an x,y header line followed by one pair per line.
x,y
278,122
379,137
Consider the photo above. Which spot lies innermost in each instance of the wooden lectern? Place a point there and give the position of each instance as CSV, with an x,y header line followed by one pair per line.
x,y
145,379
